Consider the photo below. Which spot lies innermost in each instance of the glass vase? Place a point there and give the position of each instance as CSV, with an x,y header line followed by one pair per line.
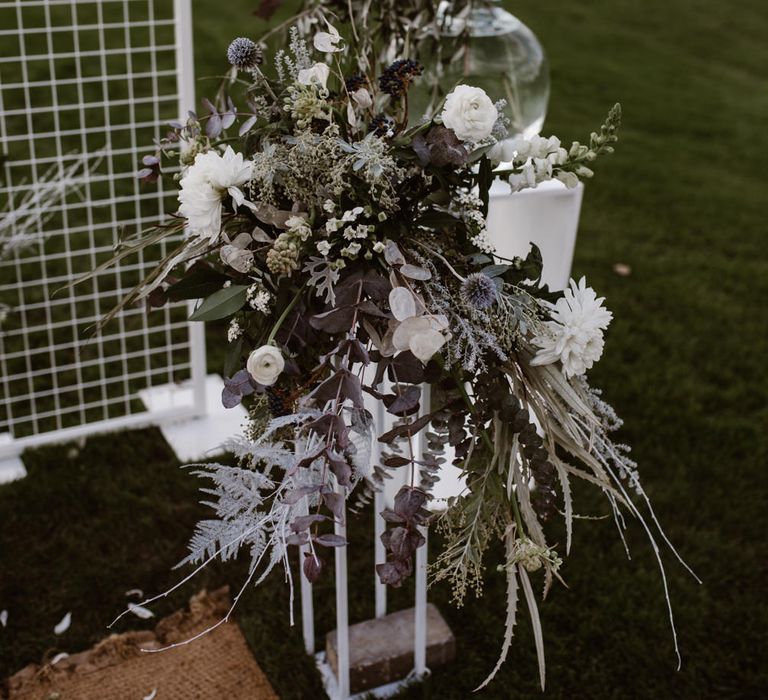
x,y
485,46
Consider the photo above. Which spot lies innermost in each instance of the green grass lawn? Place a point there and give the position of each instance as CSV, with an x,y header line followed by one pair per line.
x,y
683,202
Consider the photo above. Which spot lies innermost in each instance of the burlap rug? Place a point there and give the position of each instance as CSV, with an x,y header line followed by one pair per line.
x,y
218,666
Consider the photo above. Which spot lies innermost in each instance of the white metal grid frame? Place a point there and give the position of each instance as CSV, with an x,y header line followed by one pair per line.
x,y
96,81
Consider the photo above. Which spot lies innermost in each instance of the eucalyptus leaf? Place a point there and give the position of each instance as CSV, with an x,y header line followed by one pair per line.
x,y
221,304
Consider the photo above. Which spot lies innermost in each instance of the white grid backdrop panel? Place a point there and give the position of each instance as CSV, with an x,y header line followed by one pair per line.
x,y
95,82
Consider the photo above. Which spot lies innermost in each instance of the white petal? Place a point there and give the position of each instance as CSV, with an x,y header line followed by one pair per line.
x,y
59,657
351,116
425,344
63,626
135,592
140,611
4,618
401,338
152,695
237,196
402,303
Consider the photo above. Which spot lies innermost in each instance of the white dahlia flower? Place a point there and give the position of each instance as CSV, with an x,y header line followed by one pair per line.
x,y
574,336
205,184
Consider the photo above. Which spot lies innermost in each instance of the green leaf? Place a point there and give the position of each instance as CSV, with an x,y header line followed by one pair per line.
x,y
198,284
495,270
531,268
221,304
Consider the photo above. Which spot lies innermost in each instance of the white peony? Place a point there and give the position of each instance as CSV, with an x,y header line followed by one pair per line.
x,y
470,113
205,184
316,75
575,334
265,364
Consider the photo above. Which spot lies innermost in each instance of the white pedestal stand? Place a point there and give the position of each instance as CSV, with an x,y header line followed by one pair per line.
x,y
547,215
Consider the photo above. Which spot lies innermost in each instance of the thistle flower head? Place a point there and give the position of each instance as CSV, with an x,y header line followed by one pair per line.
x,y
479,290
244,53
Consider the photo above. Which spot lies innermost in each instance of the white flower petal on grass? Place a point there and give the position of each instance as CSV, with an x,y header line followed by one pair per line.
x,y
152,695
137,592
402,303
59,657
574,336
63,626
3,618
140,611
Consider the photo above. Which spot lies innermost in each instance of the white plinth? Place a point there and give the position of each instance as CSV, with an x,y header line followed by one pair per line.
x,y
195,439
547,215
11,468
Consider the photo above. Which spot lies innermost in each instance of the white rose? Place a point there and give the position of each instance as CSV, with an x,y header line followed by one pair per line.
x,y
470,113
265,364
316,75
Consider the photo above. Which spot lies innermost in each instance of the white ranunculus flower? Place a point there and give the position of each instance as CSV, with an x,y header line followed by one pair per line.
x,y
205,184
574,336
316,75
327,42
265,364
470,113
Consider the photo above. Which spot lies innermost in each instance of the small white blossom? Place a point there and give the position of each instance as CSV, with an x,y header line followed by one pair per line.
x,y
378,247
258,298
359,231
574,336
482,241
329,205
323,247
351,250
234,331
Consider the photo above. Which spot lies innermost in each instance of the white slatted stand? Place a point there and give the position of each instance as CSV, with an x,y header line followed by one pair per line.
x,y
94,81
549,217
338,686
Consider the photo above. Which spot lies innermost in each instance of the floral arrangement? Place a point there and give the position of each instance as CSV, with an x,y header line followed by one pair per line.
x,y
349,254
